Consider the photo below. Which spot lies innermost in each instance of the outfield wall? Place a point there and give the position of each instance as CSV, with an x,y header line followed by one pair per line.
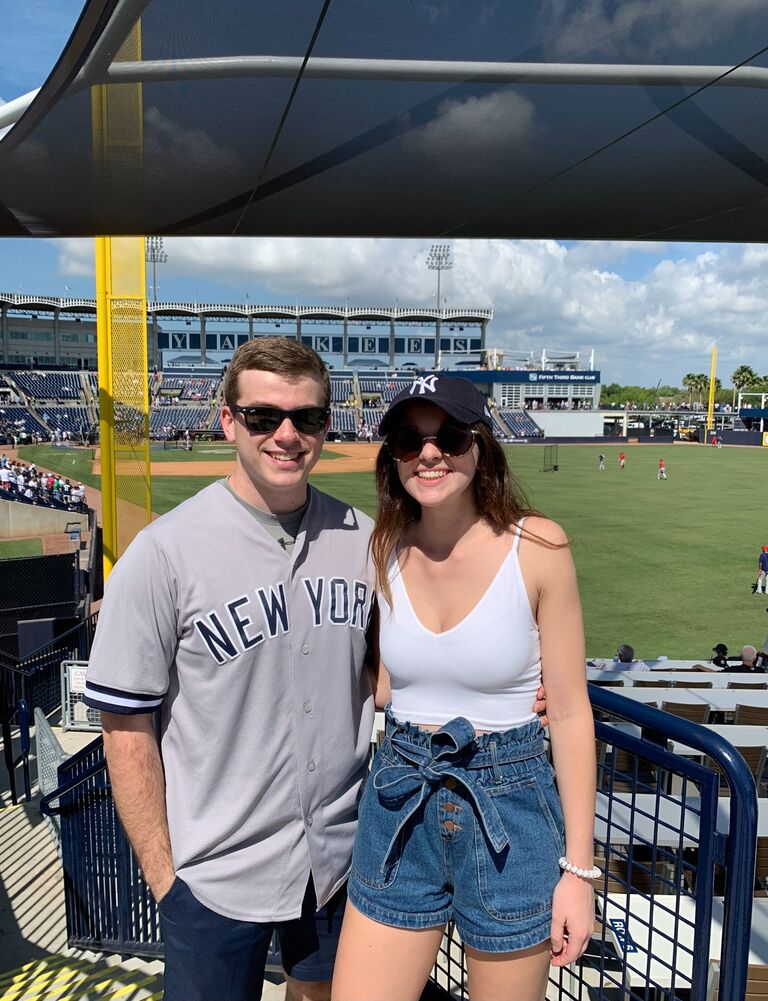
x,y
18,521
738,436
569,423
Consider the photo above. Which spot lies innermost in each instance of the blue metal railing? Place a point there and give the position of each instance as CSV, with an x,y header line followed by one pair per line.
x,y
36,680
37,677
705,833
20,718
675,855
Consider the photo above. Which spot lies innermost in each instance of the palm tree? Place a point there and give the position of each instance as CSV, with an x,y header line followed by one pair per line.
x,y
744,376
688,381
699,384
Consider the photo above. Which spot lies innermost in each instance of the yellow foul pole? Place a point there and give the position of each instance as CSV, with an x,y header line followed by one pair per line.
x,y
711,403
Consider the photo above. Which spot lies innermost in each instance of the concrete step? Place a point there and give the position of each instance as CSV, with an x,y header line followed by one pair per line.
x,y
67,978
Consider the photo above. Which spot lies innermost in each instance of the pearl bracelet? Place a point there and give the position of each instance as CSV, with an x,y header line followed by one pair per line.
x,y
566,866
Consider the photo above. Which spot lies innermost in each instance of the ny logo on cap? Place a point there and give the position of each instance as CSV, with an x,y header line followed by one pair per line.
x,y
424,383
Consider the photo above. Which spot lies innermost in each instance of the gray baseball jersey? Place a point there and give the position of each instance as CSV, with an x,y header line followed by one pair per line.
x,y
256,657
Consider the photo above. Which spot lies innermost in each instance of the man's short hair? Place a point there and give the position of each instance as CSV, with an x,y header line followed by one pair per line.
x,y
281,355
626,653
748,655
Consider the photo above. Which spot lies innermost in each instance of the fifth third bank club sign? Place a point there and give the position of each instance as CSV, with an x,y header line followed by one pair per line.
x,y
553,377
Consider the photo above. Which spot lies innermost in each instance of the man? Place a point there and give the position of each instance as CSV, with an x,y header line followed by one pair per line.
x,y
625,660
601,462
761,583
662,473
747,665
243,614
622,461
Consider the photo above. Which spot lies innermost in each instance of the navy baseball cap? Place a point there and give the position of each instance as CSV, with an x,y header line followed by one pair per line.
x,y
458,398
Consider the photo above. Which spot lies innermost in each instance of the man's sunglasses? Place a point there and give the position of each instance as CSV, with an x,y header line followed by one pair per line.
x,y
265,420
405,443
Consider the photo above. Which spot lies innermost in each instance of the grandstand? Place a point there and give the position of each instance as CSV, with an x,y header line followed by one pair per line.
x,y
383,388
342,389
532,396
187,387
520,424
373,416
74,420
60,333
23,422
59,386
343,422
164,421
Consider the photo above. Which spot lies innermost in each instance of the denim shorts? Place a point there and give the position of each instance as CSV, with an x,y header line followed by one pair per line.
x,y
454,825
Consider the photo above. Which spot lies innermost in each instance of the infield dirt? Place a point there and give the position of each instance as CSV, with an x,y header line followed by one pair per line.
x,y
353,458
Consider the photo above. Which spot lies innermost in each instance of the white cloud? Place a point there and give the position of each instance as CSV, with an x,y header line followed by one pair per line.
x,y
169,147
639,30
75,257
484,125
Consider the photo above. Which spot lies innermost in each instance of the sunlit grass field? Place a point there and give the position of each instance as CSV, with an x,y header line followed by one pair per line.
x,y
665,566
13,548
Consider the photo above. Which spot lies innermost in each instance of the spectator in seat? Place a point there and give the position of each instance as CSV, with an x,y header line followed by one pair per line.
x,y
720,650
748,664
625,660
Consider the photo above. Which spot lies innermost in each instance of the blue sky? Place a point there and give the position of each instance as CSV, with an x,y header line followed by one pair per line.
x,y
651,312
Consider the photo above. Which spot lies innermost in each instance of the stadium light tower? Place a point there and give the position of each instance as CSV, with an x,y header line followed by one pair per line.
x,y
439,260
155,255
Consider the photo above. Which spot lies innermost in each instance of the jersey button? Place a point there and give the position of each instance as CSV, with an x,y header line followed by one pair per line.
x,y
311,766
305,649
309,821
307,707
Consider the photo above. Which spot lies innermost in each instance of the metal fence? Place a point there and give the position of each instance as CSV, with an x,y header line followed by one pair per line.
x,y
49,755
678,861
37,678
36,681
37,587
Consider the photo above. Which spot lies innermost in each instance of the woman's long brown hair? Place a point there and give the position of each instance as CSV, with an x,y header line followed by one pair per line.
x,y
499,496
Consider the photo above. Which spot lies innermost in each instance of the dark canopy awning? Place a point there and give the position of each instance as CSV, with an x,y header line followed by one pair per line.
x,y
561,118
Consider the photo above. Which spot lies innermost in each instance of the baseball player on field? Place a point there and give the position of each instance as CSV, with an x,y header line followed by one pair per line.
x,y
244,614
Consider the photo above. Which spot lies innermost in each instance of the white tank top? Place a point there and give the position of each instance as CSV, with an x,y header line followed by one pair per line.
x,y
486,668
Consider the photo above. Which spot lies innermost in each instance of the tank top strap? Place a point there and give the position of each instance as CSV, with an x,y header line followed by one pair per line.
x,y
518,533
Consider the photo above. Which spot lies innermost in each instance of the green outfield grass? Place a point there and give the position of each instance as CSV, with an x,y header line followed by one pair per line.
x,y
208,451
665,566
12,548
73,463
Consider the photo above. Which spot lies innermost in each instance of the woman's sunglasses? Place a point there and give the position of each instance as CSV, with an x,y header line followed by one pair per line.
x,y
405,443
265,420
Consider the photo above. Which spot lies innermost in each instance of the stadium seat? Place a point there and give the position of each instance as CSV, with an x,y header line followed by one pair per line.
x,y
757,984
751,715
696,712
755,758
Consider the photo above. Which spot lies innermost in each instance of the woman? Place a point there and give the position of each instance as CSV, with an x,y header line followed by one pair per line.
x,y
460,817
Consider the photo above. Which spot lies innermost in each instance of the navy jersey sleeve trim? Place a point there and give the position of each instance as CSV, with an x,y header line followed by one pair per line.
x,y
114,700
